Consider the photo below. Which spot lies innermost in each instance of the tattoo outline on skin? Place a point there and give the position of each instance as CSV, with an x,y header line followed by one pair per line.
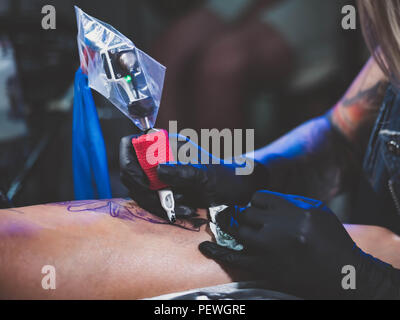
x,y
128,210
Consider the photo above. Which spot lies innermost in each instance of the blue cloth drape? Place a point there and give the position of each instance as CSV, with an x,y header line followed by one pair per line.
x,y
89,158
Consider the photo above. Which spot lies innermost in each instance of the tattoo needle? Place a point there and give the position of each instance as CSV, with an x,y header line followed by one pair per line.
x,y
168,203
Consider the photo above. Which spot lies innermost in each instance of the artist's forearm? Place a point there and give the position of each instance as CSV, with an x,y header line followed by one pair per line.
x,y
320,157
377,241
312,160
375,279
355,114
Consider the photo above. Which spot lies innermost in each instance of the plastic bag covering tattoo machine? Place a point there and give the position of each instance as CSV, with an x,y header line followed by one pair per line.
x,y
133,82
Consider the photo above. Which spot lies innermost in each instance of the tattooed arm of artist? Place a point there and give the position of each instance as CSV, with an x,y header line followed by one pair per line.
x,y
322,156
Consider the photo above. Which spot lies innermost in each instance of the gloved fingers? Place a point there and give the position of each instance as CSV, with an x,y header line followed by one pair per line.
x,y
259,266
278,233
151,203
235,215
182,211
126,151
253,217
192,198
265,199
134,183
227,217
131,171
233,258
146,199
265,240
243,233
247,236
181,176
178,197
304,203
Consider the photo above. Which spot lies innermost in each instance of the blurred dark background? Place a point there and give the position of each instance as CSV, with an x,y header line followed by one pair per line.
x,y
262,64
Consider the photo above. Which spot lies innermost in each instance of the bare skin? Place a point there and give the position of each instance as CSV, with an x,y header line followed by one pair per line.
x,y
111,249
97,256
356,112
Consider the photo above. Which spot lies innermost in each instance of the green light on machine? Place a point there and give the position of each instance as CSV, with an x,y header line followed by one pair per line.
x,y
128,78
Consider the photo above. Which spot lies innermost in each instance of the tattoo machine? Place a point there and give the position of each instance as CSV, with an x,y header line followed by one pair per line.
x,y
133,82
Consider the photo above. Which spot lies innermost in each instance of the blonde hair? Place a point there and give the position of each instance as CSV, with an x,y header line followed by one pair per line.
x,y
380,22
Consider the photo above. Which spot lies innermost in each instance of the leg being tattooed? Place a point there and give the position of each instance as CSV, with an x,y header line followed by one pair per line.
x,y
128,210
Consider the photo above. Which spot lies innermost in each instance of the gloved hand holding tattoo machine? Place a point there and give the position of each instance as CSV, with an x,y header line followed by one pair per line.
x,y
133,82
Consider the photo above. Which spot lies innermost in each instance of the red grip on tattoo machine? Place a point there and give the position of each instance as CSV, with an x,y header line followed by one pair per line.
x,y
160,152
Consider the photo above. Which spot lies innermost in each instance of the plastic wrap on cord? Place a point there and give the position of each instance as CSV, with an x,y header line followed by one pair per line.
x,y
117,69
90,168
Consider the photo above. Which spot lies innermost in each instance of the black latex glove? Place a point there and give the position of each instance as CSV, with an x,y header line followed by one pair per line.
x,y
208,185
194,186
133,177
298,245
